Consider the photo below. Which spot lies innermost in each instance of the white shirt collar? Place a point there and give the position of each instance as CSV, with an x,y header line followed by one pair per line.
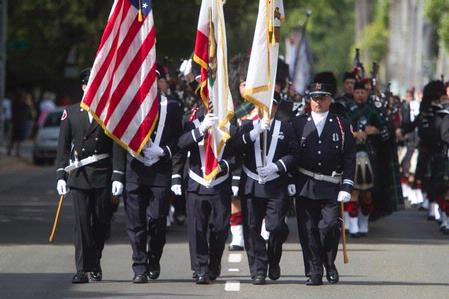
x,y
319,120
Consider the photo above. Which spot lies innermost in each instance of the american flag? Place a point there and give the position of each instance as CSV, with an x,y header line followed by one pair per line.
x,y
122,91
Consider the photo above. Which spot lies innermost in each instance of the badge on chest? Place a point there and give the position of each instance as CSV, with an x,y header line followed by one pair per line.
x,y
335,137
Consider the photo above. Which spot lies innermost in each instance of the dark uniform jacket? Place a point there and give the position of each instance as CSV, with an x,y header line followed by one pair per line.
x,y
284,157
78,137
159,174
188,144
323,155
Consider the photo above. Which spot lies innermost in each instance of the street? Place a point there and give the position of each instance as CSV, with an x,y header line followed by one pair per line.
x,y
404,256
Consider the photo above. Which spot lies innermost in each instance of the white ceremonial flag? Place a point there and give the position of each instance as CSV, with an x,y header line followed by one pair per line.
x,y
261,78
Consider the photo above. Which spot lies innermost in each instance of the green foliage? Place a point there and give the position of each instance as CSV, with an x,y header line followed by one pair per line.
x,y
330,31
52,29
437,11
374,41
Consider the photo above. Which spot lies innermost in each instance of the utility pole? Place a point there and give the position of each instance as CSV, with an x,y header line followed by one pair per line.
x,y
3,32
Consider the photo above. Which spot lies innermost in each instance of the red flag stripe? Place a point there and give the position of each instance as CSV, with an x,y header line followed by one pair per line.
x,y
140,79
119,5
100,74
136,103
130,73
120,54
146,126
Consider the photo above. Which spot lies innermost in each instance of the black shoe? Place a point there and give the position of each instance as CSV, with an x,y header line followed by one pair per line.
x,y
274,272
235,248
259,279
194,275
203,279
363,235
314,280
154,271
332,275
80,277
355,236
430,218
96,275
214,272
140,278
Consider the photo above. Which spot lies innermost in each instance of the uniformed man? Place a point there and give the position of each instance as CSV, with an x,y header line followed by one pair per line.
x,y
324,179
263,191
147,190
208,203
85,167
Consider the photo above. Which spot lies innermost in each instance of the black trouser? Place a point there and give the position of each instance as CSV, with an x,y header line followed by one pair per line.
x,y
146,210
207,214
93,212
319,232
254,211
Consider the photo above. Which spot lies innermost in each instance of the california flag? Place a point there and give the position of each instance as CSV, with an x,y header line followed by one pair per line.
x,y
211,55
261,78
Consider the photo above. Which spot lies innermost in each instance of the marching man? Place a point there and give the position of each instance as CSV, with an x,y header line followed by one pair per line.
x,y
325,178
147,190
85,168
263,191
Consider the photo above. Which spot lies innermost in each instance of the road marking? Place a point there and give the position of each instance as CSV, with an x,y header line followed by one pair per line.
x,y
233,270
235,257
232,286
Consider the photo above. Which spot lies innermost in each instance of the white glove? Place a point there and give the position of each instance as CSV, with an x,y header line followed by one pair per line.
x,y
186,67
208,121
117,188
152,155
61,186
176,189
291,190
235,191
261,126
268,170
344,196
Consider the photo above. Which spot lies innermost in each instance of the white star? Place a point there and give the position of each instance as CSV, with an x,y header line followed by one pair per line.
x,y
144,5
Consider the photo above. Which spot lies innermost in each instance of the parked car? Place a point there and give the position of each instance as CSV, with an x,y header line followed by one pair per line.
x,y
46,142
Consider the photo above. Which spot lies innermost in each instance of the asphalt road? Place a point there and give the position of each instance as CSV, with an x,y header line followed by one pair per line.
x,y
404,257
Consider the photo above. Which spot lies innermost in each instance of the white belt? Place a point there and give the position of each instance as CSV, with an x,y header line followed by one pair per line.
x,y
205,183
86,161
256,177
334,178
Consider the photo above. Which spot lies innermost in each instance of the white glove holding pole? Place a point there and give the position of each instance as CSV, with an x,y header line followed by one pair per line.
x,y
177,190
268,170
291,190
117,188
344,196
61,186
208,121
261,126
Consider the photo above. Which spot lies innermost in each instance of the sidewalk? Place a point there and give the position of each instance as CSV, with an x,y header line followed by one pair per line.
x,y
12,163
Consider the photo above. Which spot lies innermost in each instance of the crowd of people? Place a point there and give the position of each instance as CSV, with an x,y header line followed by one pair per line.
x,y
22,117
362,149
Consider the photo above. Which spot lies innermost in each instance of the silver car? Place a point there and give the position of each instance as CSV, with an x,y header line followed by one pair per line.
x,y
46,142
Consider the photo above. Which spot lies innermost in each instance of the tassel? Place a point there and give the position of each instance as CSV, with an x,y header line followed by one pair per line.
x,y
140,15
